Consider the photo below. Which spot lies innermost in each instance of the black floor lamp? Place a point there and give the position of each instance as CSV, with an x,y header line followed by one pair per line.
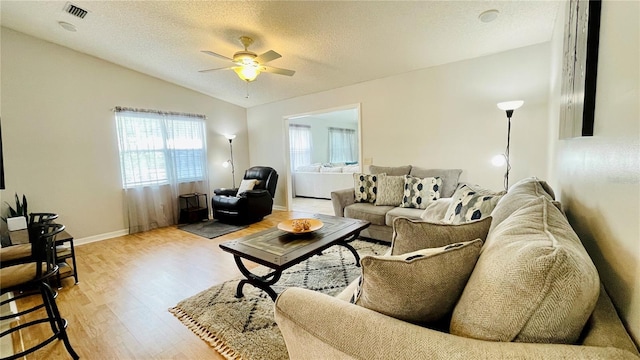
x,y
230,161
509,107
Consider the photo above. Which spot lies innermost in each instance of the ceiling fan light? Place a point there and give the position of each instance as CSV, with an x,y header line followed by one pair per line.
x,y
247,73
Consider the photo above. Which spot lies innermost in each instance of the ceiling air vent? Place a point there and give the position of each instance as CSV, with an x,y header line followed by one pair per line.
x,y
75,10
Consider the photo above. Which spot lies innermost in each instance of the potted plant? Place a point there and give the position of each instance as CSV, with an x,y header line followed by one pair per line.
x,y
17,218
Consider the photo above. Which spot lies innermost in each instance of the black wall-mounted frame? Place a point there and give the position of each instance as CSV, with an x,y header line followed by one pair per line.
x,y
580,68
1,160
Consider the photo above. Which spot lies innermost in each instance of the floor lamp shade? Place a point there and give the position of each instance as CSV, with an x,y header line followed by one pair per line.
x,y
508,107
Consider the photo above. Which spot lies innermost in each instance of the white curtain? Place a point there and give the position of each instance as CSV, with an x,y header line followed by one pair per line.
x,y
343,145
299,145
162,155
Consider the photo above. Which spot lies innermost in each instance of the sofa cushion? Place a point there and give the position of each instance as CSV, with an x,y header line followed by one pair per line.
x,y
390,190
421,286
392,171
534,281
397,212
520,194
449,178
365,187
366,211
471,203
419,192
411,235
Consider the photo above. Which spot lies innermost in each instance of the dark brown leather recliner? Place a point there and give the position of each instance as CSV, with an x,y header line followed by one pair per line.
x,y
250,206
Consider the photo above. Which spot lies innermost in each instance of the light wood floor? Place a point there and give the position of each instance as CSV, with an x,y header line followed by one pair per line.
x,y
118,310
320,206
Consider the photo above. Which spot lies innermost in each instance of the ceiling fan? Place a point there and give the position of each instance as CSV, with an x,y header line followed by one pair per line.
x,y
248,65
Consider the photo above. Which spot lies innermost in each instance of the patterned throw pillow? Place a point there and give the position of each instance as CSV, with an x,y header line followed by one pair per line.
x,y
365,187
390,190
418,193
421,286
471,203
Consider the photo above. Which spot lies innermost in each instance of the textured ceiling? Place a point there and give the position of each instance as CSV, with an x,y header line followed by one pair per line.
x,y
328,44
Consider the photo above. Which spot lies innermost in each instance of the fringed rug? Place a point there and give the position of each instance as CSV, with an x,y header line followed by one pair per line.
x,y
245,328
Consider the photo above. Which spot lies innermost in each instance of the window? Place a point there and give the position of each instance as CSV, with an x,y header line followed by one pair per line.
x,y
299,145
159,148
343,145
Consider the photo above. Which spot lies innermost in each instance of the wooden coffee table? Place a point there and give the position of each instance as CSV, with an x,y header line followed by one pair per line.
x,y
280,250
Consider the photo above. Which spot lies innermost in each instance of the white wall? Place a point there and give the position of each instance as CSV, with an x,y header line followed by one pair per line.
x,y
598,178
59,137
440,117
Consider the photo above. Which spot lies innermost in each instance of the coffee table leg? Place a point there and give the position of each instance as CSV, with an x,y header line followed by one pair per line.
x,y
346,244
261,282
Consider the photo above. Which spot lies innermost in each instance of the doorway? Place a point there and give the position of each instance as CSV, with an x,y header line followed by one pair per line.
x,y
321,155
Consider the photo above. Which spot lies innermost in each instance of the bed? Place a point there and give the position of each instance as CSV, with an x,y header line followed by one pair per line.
x,y
317,181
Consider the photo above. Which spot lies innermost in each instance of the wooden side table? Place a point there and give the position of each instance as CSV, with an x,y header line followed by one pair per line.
x,y
193,208
66,251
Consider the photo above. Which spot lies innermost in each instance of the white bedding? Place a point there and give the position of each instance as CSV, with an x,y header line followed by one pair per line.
x,y
320,184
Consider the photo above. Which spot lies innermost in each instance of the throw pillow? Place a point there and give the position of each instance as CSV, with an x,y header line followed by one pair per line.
x,y
471,203
390,190
421,286
534,281
365,187
411,235
246,185
436,210
449,178
418,193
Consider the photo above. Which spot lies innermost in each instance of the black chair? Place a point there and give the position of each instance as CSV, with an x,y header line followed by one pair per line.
x,y
20,253
42,218
31,278
250,206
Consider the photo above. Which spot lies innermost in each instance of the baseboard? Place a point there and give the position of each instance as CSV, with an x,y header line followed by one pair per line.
x,y
278,207
100,237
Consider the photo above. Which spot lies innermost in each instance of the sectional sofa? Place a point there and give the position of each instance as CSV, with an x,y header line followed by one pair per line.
x,y
524,289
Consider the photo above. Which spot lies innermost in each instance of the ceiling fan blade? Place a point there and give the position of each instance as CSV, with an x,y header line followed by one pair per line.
x,y
222,68
268,56
275,70
216,55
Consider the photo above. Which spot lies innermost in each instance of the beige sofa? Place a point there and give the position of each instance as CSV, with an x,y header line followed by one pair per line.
x,y
381,217
532,294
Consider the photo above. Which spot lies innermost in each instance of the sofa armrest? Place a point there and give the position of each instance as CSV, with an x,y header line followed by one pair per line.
x,y
226,192
255,193
340,199
315,325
